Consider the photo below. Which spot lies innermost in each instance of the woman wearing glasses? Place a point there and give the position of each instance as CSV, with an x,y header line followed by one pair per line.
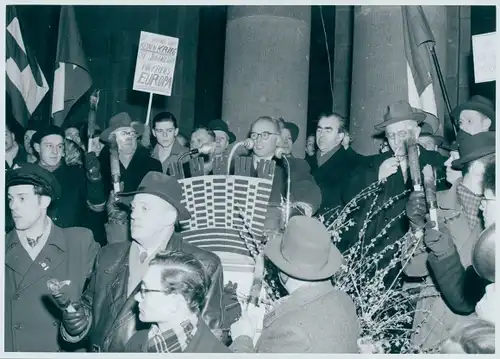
x,y
170,298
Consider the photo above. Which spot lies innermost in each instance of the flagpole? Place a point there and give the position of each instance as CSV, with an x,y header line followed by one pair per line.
x,y
432,49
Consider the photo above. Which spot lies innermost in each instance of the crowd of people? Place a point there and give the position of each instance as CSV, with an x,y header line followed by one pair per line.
x,y
129,282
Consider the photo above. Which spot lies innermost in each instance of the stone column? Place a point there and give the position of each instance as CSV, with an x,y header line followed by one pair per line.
x,y
266,67
379,67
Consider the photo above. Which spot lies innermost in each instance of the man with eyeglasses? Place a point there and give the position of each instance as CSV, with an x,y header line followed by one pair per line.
x,y
106,314
167,149
459,227
392,170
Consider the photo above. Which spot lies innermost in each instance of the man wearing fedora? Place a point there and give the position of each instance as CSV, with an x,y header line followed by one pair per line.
x,y
289,134
35,251
314,317
167,150
459,210
107,311
333,163
428,138
391,169
81,187
223,136
475,115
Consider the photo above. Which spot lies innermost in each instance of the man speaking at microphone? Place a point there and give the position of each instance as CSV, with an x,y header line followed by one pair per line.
x,y
267,142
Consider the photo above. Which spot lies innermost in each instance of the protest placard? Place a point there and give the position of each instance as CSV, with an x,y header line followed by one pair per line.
x,y
155,66
484,50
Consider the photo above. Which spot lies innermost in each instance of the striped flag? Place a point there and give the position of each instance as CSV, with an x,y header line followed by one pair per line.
x,y
25,83
416,33
72,76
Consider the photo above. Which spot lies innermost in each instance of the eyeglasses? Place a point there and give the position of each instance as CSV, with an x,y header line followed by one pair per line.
x,y
264,135
132,134
392,135
144,291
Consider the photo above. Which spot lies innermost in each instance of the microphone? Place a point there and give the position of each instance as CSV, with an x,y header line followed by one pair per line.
x,y
280,152
430,192
248,144
205,149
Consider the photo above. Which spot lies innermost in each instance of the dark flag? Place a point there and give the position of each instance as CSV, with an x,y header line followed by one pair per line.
x,y
72,76
25,82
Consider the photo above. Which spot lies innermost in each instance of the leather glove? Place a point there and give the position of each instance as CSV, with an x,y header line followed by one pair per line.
x,y
439,242
92,166
115,213
75,323
416,209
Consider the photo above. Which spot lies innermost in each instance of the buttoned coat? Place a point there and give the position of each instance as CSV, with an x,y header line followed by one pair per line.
x,y
316,319
31,318
114,314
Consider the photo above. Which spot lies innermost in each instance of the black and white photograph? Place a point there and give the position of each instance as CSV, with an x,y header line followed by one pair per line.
x,y
256,178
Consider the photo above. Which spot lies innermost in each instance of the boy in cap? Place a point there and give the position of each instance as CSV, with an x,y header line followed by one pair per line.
x,y
35,251
107,312
314,317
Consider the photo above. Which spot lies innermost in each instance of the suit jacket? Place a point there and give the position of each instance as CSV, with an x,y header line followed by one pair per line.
x,y
31,318
332,176
318,319
114,315
177,151
204,341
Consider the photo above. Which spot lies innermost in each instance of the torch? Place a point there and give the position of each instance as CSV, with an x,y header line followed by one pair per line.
x,y
115,165
430,192
54,287
94,101
414,165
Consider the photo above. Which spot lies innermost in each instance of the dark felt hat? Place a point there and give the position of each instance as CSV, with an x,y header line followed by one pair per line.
x,y
46,131
121,119
461,136
293,128
305,250
400,111
33,174
427,131
219,125
474,148
480,104
163,186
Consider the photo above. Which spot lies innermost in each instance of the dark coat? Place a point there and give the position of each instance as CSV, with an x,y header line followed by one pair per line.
x,y
114,317
177,151
203,342
317,319
140,164
31,318
334,174
365,175
461,288
21,157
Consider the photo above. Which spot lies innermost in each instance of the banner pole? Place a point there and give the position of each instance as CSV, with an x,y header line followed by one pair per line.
x,y
148,114
146,140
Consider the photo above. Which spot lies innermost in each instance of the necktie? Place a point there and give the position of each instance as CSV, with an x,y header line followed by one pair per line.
x,y
143,256
33,242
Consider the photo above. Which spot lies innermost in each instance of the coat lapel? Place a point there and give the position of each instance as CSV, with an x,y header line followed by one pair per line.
x,y
117,288
16,256
49,259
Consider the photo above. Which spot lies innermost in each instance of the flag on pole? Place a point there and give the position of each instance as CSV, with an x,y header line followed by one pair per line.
x,y
417,32
25,82
72,76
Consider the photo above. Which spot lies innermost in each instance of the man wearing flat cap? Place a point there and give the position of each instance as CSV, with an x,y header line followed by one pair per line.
x,y
460,223
107,314
35,251
314,317
391,169
81,187
475,115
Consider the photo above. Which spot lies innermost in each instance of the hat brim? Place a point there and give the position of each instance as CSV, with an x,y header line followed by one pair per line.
x,y
295,270
126,199
294,130
419,117
439,139
475,155
230,136
475,106
53,189
104,136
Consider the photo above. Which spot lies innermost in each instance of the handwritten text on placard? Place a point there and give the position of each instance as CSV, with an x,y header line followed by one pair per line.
x,y
484,50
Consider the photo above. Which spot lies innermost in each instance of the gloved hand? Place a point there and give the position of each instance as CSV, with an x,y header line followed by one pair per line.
x,y
439,242
115,213
416,209
92,166
76,322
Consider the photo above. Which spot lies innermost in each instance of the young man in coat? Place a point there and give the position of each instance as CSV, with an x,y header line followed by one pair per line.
x,y
314,317
461,224
107,311
35,251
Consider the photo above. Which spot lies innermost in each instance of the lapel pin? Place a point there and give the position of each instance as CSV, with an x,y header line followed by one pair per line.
x,y
44,265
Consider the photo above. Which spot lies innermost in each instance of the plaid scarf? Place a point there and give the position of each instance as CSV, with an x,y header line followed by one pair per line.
x,y
469,202
174,340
